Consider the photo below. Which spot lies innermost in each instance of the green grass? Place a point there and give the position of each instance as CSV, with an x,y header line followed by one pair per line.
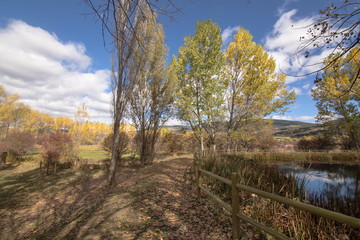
x,y
92,153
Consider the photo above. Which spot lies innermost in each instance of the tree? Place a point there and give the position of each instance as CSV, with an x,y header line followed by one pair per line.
x,y
338,108
253,134
12,112
81,119
7,104
254,89
120,19
38,123
200,84
81,115
336,28
63,124
152,97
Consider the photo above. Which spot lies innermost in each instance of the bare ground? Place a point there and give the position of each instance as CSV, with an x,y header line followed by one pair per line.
x,y
155,202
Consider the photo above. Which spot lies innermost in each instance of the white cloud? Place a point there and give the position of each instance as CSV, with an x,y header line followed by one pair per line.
x,y
300,118
283,44
284,6
306,86
174,121
282,117
298,91
305,118
50,75
227,35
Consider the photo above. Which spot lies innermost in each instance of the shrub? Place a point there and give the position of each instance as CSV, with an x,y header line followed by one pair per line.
x,y
107,143
57,148
18,144
175,142
315,143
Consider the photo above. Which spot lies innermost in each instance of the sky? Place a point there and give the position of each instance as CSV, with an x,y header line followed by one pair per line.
x,y
52,52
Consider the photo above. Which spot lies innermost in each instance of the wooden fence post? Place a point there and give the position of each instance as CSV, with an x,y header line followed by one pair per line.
x,y
235,201
197,175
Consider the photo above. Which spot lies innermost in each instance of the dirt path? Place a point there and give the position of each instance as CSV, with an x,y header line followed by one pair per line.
x,y
155,202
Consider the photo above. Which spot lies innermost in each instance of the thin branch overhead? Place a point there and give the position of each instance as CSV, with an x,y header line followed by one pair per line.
x,y
337,28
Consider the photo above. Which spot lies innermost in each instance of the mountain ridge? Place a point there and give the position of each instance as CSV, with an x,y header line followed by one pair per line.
x,y
283,128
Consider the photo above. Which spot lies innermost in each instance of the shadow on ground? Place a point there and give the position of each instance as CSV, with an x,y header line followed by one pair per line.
x,y
154,202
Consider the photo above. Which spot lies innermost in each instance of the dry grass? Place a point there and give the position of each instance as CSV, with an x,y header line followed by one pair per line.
x,y
154,202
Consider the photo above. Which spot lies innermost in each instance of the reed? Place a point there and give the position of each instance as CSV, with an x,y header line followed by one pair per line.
x,y
255,172
339,157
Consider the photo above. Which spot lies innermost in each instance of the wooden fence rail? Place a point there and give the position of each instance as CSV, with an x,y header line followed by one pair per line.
x,y
235,204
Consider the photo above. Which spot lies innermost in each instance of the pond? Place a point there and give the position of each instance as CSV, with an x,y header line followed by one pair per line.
x,y
329,181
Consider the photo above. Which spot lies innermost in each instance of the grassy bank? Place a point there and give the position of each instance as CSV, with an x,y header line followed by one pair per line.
x,y
294,223
350,157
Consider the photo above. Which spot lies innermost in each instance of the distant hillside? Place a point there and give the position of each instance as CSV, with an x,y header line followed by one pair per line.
x,y
295,129
283,128
287,123
179,128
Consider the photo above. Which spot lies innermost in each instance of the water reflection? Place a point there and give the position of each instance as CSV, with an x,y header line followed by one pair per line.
x,y
328,180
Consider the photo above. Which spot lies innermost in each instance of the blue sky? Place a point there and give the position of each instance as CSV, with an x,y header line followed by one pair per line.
x,y
52,52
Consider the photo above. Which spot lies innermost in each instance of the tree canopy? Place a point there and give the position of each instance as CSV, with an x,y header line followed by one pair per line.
x,y
201,84
254,89
338,107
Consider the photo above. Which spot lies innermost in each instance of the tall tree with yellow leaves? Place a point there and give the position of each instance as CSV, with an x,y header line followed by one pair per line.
x,y
38,123
12,112
337,99
200,100
254,90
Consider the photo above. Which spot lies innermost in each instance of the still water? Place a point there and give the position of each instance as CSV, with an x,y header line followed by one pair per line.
x,y
327,180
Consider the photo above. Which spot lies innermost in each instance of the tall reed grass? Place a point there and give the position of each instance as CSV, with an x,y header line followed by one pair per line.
x,y
340,157
255,172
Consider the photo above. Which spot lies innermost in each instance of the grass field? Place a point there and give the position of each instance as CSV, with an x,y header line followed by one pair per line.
x,y
92,153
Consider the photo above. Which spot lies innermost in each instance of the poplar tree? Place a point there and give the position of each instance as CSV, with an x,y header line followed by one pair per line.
x,y
254,89
152,97
119,19
200,100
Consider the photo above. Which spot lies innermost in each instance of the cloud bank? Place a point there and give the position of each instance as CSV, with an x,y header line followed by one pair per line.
x,y
50,75
283,44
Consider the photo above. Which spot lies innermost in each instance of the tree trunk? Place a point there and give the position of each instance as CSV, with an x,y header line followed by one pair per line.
x,y
47,167
143,150
202,145
114,154
40,168
213,144
228,143
55,166
3,160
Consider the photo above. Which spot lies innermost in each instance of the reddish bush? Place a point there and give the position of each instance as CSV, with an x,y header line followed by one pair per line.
x,y
17,144
56,147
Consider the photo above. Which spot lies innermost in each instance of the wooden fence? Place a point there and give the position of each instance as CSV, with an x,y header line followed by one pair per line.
x,y
235,204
